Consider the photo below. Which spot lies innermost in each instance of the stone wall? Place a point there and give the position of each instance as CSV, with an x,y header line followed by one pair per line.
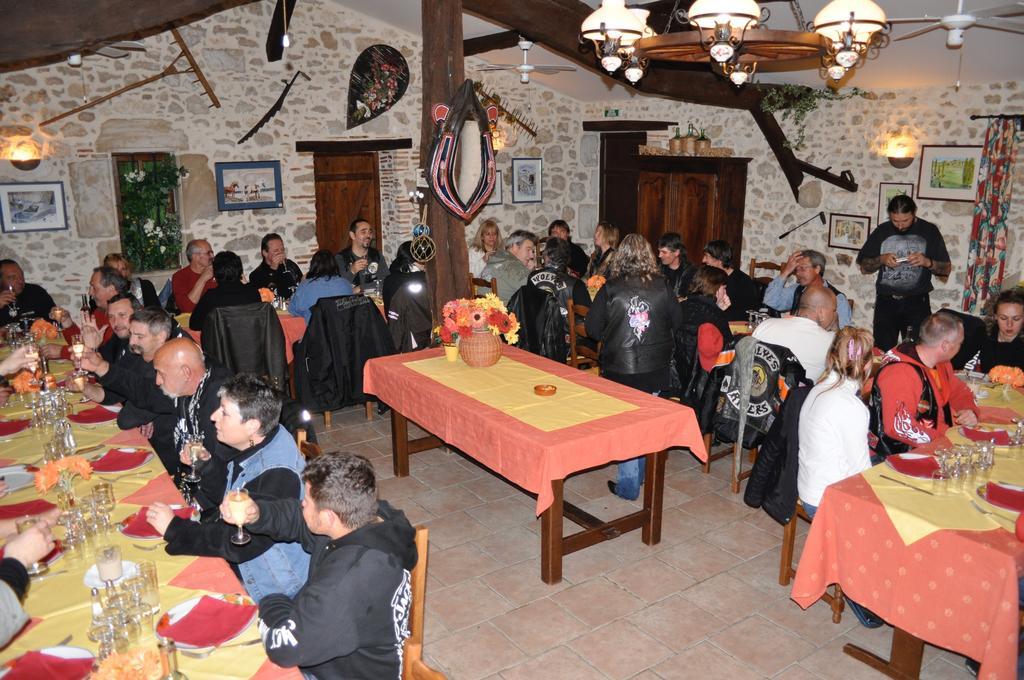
x,y
846,135
173,115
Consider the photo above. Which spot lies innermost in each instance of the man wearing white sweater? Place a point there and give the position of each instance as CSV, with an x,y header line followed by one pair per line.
x,y
808,333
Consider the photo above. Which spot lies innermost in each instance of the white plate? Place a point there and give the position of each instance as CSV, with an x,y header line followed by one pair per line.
x,y
175,614
60,653
17,478
92,576
982,492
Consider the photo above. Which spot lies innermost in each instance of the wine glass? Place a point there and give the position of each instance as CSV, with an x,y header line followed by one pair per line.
x,y
32,354
23,525
103,492
12,308
193,446
238,501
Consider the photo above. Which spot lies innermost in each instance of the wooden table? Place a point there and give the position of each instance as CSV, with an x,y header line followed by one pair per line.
x,y
493,416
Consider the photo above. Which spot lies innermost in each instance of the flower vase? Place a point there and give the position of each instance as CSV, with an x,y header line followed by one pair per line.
x,y
66,499
451,351
480,349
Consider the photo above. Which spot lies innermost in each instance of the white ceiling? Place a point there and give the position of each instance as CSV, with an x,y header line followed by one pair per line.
x,y
925,61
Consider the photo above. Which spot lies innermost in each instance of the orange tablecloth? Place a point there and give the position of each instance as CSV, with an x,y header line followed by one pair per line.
x,y
523,454
294,328
956,589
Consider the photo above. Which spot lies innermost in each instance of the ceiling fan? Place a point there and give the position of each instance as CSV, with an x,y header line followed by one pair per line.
x,y
526,68
116,49
957,24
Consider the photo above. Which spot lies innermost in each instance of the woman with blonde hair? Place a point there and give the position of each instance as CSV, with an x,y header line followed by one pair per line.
x,y
487,241
634,315
142,289
606,239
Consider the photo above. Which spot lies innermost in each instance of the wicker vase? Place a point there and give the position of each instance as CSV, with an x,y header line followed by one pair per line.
x,y
480,348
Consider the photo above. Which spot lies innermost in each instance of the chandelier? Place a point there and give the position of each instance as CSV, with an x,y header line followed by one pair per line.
x,y
731,37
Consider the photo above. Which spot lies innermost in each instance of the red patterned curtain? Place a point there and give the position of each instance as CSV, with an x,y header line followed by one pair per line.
x,y
987,255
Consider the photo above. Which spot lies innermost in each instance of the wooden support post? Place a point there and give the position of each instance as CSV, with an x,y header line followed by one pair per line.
x,y
443,73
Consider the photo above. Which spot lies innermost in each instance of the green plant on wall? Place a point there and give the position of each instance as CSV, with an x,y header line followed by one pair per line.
x,y
150,230
797,101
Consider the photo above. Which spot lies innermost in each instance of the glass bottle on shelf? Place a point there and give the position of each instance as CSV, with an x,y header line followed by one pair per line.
x,y
675,145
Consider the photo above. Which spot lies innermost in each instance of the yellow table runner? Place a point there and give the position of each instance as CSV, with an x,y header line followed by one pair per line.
x,y
508,387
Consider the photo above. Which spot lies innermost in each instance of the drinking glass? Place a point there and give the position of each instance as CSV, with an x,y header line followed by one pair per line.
x,y
751,320
103,492
23,525
32,354
238,500
940,483
193,446
13,306
150,595
108,563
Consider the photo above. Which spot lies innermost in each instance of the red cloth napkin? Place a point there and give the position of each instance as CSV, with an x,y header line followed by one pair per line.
x,y
998,415
1005,496
934,445
138,527
35,507
915,467
117,460
9,427
96,414
35,665
210,623
998,437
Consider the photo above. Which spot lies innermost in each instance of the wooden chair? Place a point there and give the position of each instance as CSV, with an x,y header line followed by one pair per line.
x,y
580,356
476,284
413,667
308,449
738,473
787,572
755,265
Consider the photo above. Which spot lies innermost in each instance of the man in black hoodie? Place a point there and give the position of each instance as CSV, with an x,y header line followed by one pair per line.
x,y
351,617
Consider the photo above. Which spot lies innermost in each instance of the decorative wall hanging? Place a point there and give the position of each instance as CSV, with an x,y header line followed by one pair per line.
x,y
249,185
275,108
461,159
527,180
886,192
848,231
379,78
496,196
949,173
32,206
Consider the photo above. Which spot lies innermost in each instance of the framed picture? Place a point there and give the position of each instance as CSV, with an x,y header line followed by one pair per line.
x,y
886,192
949,173
33,206
848,231
496,197
527,180
249,185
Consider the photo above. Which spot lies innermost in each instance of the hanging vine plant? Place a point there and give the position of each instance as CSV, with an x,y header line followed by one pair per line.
x,y
797,101
150,231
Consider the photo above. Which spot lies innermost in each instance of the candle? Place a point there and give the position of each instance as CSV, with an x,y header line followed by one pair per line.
x,y
108,563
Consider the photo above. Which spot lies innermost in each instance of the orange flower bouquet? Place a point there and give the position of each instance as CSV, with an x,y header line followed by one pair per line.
x,y
266,295
461,317
596,281
1007,376
135,664
22,382
41,328
61,473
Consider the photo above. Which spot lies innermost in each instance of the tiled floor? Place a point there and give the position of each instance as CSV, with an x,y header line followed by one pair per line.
x,y
704,603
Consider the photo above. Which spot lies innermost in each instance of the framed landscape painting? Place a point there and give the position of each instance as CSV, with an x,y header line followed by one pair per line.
x,y
886,192
949,173
249,185
32,206
848,231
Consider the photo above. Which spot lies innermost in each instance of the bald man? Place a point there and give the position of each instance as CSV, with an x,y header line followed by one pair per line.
x,y
808,333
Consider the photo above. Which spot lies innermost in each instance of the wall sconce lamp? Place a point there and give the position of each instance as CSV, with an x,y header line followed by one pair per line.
x,y
900,149
26,155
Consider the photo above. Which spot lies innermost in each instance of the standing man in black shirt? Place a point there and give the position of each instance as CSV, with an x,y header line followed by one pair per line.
x,y
276,271
361,263
741,288
675,267
905,251
29,300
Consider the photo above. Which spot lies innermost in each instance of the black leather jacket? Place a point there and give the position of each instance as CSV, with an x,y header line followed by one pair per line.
x,y
636,324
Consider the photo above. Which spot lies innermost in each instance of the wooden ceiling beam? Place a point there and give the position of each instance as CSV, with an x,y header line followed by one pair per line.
x,y
487,43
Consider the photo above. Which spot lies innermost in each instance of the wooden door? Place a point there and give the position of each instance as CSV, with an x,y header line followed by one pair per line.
x,y
619,177
652,200
691,207
347,187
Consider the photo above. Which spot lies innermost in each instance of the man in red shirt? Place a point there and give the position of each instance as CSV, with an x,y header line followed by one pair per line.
x,y
189,283
104,284
914,413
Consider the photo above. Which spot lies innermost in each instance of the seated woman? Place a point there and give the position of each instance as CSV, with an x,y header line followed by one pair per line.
x,y
323,280
142,289
263,460
1003,345
406,303
230,290
634,314
487,241
20,551
606,237
705,333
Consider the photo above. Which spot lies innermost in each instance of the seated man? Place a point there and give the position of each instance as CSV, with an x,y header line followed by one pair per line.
x,y
741,288
19,299
808,333
578,259
264,461
230,291
119,313
511,266
675,267
190,282
361,263
350,618
105,284
276,271
809,268
916,394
